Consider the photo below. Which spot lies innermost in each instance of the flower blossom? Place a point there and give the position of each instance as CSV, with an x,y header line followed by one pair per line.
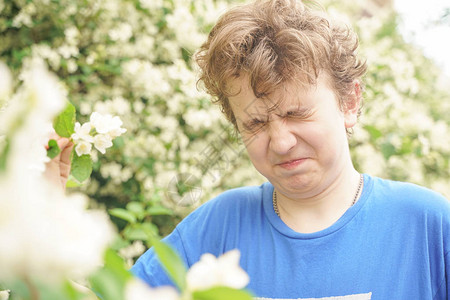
x,y
222,271
83,147
138,290
107,124
102,141
100,132
82,132
4,295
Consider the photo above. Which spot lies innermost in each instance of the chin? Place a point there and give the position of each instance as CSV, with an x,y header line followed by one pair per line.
x,y
298,185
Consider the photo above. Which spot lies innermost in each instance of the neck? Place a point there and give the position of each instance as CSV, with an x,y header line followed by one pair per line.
x,y
323,209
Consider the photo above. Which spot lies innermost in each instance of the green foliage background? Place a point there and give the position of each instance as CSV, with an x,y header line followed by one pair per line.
x,y
133,59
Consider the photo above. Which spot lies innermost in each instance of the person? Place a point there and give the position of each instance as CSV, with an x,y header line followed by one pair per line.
x,y
290,80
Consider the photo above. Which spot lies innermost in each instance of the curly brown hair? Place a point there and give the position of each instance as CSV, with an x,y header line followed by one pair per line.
x,y
273,42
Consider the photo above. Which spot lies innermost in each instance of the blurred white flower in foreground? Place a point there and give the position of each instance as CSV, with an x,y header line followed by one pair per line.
x,y
4,295
138,290
222,271
5,83
43,232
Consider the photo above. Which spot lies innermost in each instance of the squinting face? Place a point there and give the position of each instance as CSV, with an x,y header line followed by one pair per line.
x,y
300,145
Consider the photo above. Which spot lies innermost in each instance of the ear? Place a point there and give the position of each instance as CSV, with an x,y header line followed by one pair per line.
x,y
352,105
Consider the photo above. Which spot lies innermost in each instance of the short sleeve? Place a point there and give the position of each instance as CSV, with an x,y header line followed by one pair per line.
x,y
149,269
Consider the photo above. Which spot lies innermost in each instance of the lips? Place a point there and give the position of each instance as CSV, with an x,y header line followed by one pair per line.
x,y
291,164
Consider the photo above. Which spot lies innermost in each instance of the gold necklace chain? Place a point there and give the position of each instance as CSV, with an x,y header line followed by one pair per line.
x,y
275,202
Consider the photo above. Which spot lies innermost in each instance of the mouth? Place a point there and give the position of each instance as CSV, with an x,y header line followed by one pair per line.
x,y
291,164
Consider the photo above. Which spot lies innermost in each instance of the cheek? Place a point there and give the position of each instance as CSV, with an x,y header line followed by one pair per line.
x,y
321,138
256,146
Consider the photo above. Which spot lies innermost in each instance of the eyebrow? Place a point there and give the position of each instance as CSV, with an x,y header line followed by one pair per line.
x,y
298,111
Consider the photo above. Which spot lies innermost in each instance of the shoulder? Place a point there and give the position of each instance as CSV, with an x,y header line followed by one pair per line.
x,y
230,203
237,197
218,224
410,197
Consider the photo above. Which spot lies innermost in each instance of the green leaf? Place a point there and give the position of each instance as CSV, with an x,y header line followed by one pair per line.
x,y
140,231
81,167
123,214
119,142
4,150
135,233
109,282
72,183
115,263
72,292
222,293
107,285
171,262
374,132
64,123
53,149
51,292
159,210
387,149
137,208
119,243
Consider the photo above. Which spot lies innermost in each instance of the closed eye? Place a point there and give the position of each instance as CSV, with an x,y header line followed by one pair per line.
x,y
254,124
302,113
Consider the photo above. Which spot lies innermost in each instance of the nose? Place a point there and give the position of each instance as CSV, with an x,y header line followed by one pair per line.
x,y
282,139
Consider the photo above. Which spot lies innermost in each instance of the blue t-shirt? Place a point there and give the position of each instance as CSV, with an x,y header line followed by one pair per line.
x,y
394,243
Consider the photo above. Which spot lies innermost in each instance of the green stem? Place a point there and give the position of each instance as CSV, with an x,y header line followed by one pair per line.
x,y
34,292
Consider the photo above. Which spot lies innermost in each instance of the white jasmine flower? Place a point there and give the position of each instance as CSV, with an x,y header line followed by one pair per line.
x,y
102,142
83,147
115,127
67,51
146,77
85,108
71,34
107,124
4,295
222,271
138,290
100,122
60,237
120,106
122,33
22,18
111,169
151,4
82,133
199,119
131,251
48,53
42,89
138,106
90,59
71,66
182,22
